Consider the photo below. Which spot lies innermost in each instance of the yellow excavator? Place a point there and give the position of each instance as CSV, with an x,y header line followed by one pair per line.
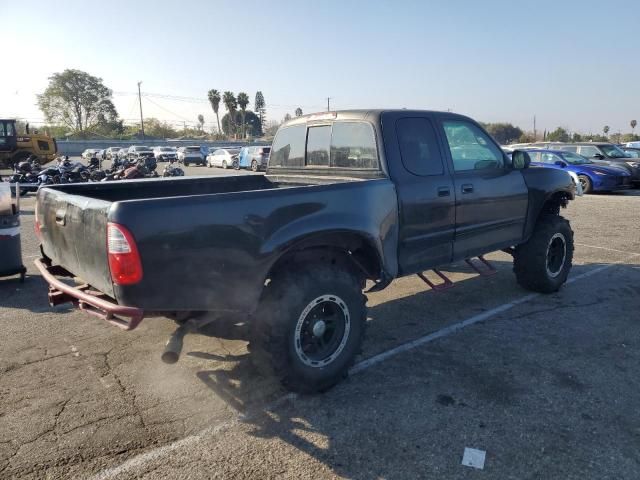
x,y
15,148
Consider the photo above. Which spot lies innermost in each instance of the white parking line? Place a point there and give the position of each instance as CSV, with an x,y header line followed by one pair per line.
x,y
160,452
605,248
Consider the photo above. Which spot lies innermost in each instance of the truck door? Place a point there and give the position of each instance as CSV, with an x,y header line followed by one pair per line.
x,y
425,191
492,198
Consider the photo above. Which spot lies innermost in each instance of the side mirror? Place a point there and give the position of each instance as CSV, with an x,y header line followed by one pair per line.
x,y
599,156
560,163
520,160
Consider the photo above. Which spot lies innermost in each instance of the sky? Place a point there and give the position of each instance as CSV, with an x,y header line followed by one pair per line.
x,y
574,64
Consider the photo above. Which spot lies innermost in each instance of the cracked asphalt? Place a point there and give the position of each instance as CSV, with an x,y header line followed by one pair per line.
x,y
547,387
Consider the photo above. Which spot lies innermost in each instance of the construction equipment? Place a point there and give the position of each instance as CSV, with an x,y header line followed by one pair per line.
x,y
15,148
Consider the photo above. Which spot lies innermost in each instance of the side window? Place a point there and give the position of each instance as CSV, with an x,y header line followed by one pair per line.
x,y
43,145
288,147
549,158
318,141
471,148
353,145
588,151
569,148
534,156
419,147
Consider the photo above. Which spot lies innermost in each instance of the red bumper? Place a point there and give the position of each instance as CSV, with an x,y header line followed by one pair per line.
x,y
87,299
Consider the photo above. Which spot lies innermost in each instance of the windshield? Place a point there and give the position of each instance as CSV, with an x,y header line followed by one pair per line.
x,y
612,151
575,159
142,149
165,149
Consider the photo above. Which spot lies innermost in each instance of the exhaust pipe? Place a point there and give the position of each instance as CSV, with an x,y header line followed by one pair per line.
x,y
173,348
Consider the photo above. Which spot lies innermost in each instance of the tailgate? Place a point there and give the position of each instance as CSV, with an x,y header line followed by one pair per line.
x,y
74,235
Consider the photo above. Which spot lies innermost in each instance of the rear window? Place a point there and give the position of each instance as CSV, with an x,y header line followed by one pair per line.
x,y
341,145
193,149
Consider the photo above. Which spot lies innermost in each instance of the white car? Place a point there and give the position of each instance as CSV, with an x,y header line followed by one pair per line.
x,y
90,152
191,154
164,154
111,152
224,157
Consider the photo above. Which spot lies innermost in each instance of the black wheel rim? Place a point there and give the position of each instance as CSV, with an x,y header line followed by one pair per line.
x,y
322,331
556,254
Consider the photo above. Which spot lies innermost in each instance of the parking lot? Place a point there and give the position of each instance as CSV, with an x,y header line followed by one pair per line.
x,y
546,385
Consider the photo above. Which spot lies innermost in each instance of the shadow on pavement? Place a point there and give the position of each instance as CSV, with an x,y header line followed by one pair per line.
x,y
504,386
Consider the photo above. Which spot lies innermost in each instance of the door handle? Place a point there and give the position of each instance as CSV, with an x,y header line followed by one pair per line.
x,y
444,191
467,188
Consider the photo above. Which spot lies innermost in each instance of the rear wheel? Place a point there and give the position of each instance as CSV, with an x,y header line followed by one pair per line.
x,y
20,156
542,264
309,327
254,166
236,165
586,183
186,164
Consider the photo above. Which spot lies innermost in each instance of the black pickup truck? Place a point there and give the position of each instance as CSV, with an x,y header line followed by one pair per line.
x,y
348,197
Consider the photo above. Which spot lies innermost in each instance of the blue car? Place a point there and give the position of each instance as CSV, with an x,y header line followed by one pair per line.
x,y
592,177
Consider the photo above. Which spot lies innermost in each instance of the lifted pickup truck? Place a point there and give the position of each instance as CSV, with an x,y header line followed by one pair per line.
x,y
348,197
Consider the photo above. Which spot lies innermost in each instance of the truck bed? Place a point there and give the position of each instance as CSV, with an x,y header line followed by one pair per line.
x,y
204,241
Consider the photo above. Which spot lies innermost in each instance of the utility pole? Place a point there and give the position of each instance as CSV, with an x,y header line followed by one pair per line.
x,y
141,120
328,107
535,133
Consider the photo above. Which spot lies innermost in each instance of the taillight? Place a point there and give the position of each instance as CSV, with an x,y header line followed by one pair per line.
x,y
124,259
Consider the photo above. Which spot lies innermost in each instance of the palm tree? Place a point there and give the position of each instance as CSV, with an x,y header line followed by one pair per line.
x,y
243,101
633,126
230,104
298,112
200,121
606,130
214,100
259,107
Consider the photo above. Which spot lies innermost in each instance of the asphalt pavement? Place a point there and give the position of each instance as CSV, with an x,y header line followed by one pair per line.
x,y
545,385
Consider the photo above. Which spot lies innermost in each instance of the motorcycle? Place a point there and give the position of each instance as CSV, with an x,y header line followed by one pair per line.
x,y
128,170
172,170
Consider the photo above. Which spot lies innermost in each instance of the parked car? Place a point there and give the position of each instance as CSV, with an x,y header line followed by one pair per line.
x,y
364,195
255,157
224,157
137,152
633,152
164,154
633,144
592,177
122,153
111,152
606,152
191,154
90,152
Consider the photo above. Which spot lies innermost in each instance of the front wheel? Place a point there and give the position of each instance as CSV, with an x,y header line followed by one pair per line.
x,y
587,184
254,166
224,164
309,327
542,264
236,165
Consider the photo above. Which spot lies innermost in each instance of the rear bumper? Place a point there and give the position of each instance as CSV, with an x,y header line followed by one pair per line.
x,y
86,298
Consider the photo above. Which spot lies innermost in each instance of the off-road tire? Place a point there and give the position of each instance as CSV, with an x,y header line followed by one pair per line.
x,y
20,156
273,331
587,184
531,259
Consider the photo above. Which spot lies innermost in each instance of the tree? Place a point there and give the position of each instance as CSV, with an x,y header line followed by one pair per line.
x,y
252,123
200,121
260,107
287,117
77,100
155,128
298,112
504,133
633,126
243,101
230,104
605,129
214,100
558,135
576,137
